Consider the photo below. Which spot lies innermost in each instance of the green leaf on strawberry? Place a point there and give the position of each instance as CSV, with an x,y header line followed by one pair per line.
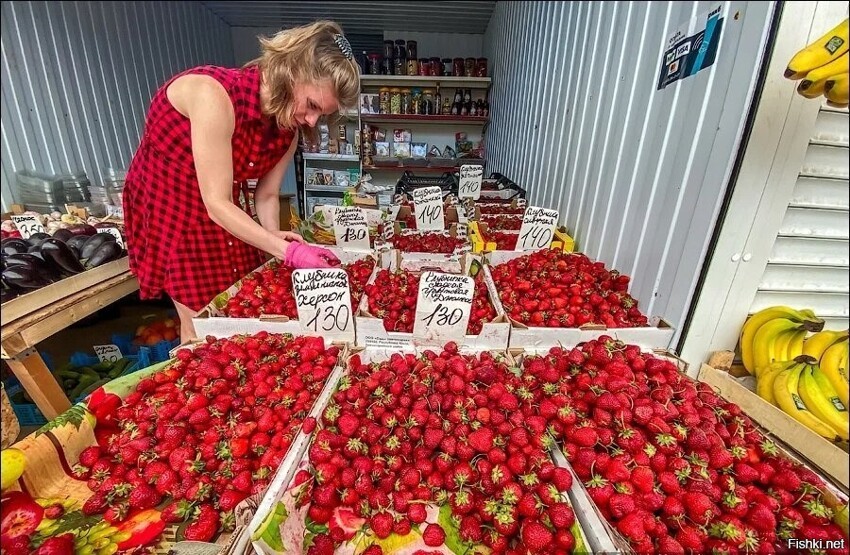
x,y
453,541
315,528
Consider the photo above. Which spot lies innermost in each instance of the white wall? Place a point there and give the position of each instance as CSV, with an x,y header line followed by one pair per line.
x,y
637,173
78,78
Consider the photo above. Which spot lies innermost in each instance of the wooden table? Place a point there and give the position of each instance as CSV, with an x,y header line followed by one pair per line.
x,y
36,316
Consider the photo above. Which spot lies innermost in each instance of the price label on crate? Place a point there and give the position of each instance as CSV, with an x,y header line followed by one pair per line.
x,y
443,307
538,228
462,230
428,207
28,225
469,184
116,211
324,303
351,228
115,232
108,353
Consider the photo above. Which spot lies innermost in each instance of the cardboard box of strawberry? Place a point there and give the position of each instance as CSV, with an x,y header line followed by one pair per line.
x,y
438,450
671,465
166,453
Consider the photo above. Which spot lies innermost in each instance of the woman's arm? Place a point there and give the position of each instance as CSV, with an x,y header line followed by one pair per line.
x,y
205,102
267,194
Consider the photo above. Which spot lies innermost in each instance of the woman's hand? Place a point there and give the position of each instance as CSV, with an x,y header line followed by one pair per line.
x,y
288,236
304,256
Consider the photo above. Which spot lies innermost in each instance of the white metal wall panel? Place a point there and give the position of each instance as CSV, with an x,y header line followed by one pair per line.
x,y
77,78
638,174
810,262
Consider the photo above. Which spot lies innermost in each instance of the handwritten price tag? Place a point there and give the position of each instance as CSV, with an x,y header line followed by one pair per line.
x,y
324,303
108,353
28,225
115,232
428,206
462,230
469,185
443,307
538,228
116,211
351,228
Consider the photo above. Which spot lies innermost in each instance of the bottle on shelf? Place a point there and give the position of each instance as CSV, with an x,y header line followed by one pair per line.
x,y
458,102
438,101
467,103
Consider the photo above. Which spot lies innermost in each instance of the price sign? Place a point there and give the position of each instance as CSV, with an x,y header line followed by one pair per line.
x,y
469,185
462,231
351,228
538,228
117,211
115,232
28,225
324,303
443,307
108,353
428,207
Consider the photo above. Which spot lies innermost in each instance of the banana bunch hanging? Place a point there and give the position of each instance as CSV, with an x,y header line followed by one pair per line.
x,y
822,67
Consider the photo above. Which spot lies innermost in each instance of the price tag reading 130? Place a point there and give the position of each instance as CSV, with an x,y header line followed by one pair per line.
x,y
538,228
324,303
28,225
428,206
108,353
351,228
443,307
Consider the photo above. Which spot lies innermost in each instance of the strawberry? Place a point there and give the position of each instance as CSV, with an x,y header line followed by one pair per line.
x,y
177,511
373,549
561,515
535,536
143,497
201,529
89,456
433,535
382,525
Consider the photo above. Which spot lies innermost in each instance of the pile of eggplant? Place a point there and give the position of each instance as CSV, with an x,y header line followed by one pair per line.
x,y
29,264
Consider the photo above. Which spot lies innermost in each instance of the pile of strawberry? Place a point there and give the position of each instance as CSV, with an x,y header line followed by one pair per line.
x,y
491,208
441,428
392,298
207,431
502,222
670,464
428,241
504,241
269,291
551,288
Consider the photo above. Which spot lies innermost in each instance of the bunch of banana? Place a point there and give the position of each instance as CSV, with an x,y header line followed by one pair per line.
x,y
775,334
831,348
802,391
822,66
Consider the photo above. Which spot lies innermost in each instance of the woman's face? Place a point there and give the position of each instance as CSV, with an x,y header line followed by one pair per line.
x,y
312,101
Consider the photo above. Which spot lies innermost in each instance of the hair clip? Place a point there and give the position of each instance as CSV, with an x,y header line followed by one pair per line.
x,y
344,46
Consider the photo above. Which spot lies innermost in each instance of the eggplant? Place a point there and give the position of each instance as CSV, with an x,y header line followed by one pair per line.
x,y
84,230
55,251
76,242
35,248
7,294
62,234
106,252
14,245
35,238
35,262
24,277
93,243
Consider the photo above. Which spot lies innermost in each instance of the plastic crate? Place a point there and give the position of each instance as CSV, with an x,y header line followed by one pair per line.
x,y
156,353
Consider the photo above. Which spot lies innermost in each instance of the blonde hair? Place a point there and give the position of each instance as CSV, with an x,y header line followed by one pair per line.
x,y
306,54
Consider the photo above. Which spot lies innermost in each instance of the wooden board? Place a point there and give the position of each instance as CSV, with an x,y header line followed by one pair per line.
x,y
31,302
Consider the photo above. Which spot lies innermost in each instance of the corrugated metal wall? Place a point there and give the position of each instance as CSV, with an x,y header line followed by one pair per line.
x,y
78,78
638,174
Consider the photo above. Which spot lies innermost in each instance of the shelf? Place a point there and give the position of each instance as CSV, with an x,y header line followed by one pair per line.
x,y
409,118
413,169
409,80
331,157
325,189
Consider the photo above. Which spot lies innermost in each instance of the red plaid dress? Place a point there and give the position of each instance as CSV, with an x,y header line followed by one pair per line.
x,y
174,246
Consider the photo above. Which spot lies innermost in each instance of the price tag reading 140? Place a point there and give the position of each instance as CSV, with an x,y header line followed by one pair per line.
x,y
443,307
428,206
469,183
28,225
324,303
108,353
538,229
351,228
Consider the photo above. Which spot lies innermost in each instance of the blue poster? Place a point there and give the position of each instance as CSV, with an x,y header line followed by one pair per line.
x,y
686,55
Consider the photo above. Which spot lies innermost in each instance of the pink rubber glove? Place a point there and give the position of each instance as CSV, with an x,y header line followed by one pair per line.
x,y
303,256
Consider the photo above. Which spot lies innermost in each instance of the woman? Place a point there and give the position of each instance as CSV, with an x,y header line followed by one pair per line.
x,y
208,131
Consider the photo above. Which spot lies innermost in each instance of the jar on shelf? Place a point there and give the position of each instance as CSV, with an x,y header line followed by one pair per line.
x,y
400,50
387,66
384,99
374,64
411,50
447,106
481,67
436,67
395,101
389,50
412,66
446,67
469,66
457,67
429,102
417,102
424,67
406,103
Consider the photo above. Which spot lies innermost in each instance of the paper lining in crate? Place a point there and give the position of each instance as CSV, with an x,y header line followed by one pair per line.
x,y
657,336
53,451
211,319
282,523
495,334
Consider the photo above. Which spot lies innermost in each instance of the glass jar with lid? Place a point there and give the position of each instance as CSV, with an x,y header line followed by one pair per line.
x,y
416,101
406,103
384,96
395,101
429,102
457,67
412,66
470,66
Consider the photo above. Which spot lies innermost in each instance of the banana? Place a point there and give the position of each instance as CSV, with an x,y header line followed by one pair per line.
x,y
764,343
823,402
780,347
834,68
833,365
788,399
838,89
817,344
764,384
752,325
824,50
813,90
795,346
